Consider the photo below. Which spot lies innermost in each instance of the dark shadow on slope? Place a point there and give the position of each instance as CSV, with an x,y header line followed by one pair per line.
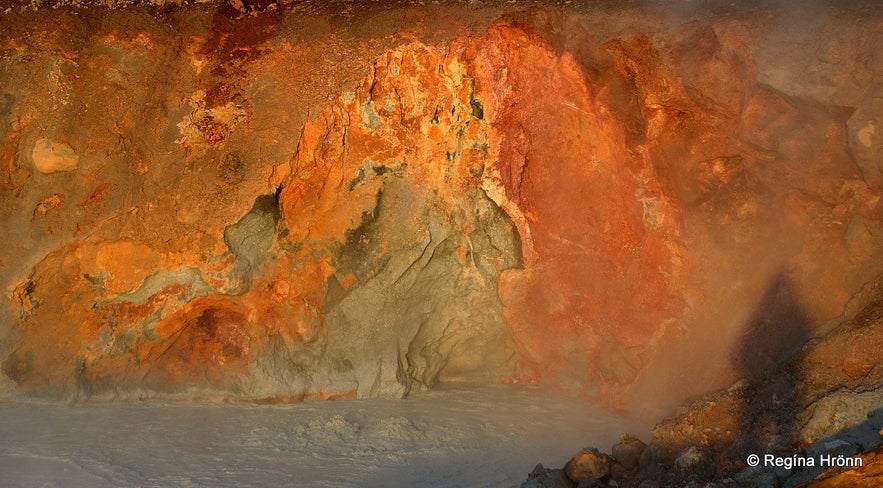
x,y
852,403
768,357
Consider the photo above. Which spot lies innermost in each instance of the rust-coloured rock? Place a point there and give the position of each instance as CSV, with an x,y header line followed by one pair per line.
x,y
869,475
50,156
588,464
265,203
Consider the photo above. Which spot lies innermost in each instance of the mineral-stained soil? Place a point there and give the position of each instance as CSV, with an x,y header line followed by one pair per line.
x,y
276,201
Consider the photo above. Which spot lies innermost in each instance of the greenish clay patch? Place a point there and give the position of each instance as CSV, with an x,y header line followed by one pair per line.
x,y
252,237
370,169
190,277
370,119
97,279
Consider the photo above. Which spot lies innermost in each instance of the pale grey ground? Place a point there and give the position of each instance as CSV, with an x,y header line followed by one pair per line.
x,y
467,437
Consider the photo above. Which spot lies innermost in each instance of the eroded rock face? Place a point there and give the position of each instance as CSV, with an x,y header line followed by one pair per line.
x,y
594,222
385,198
523,200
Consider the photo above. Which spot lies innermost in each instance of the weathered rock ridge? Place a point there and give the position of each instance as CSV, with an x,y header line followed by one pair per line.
x,y
815,402
296,203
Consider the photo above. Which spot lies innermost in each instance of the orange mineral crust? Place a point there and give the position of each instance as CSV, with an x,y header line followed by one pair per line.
x,y
258,202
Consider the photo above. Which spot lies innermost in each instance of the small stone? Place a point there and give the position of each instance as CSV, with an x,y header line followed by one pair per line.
x,y
51,157
627,451
48,204
589,463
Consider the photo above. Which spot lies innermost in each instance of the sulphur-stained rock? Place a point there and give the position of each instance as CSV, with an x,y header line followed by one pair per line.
x,y
122,265
206,344
720,69
467,119
50,156
412,141
619,239
257,200
588,464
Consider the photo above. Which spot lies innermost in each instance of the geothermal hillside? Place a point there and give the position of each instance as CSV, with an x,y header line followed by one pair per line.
x,y
633,202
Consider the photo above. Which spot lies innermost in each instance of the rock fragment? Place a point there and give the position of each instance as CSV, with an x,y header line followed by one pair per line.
x,y
588,464
627,452
51,157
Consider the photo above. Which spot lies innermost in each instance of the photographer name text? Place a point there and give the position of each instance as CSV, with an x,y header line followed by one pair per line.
x,y
795,461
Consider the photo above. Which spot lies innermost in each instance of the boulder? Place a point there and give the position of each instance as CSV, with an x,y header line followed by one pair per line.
x,y
588,464
627,452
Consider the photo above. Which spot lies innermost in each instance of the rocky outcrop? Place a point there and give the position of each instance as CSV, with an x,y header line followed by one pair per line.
x,y
256,202
821,402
